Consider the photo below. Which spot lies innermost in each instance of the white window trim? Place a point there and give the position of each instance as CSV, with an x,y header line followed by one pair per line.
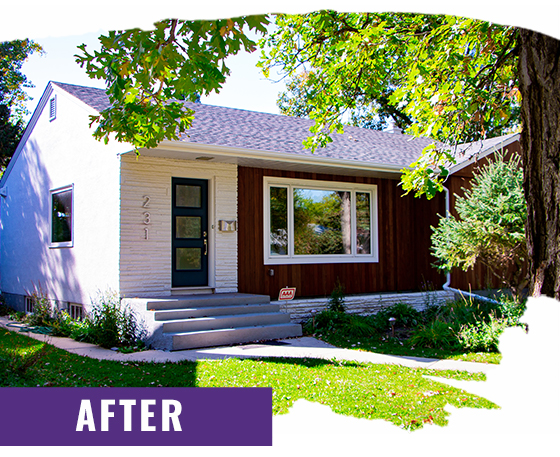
x,y
63,244
291,258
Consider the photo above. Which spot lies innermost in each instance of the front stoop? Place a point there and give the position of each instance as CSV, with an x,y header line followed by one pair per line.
x,y
196,321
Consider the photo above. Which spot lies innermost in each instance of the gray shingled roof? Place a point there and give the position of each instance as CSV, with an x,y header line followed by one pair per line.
x,y
236,128
96,98
467,150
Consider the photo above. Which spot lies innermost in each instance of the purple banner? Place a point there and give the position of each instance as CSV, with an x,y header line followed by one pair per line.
x,y
102,416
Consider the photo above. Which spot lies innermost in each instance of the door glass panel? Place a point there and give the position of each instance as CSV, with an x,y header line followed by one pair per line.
x,y
188,196
188,227
188,258
363,224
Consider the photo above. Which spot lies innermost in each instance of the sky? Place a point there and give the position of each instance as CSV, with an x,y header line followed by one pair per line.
x,y
525,384
60,27
246,87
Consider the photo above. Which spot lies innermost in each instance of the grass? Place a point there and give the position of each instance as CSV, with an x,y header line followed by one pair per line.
x,y
395,346
463,329
402,396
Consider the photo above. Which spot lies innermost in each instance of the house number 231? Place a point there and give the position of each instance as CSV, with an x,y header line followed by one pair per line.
x,y
146,214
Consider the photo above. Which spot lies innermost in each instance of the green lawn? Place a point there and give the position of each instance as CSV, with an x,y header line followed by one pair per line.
x,y
394,347
396,394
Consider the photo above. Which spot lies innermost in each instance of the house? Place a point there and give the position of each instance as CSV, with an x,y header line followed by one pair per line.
x,y
230,214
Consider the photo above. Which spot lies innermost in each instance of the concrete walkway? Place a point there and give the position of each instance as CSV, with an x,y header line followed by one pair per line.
x,y
293,347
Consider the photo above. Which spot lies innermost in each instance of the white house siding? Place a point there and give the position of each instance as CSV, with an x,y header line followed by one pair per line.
x,y
146,263
58,153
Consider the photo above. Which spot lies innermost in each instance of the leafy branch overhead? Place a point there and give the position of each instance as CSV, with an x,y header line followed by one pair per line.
x,y
149,73
452,79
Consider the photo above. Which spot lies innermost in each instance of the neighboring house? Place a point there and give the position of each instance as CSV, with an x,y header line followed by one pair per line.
x,y
237,206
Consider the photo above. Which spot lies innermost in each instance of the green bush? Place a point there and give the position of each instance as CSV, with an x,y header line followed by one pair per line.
x,y
62,324
511,309
405,315
83,331
437,334
324,322
482,336
336,300
358,326
490,227
344,325
5,310
111,325
42,309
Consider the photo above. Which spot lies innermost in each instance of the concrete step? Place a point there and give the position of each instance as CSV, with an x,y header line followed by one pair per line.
x,y
206,311
228,336
218,322
205,300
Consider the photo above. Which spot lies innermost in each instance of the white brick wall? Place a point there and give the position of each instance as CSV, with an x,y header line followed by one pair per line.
x,y
301,310
146,264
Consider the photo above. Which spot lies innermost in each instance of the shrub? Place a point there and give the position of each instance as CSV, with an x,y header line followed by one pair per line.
x,y
83,331
405,315
344,325
62,324
437,334
42,309
112,325
482,336
324,322
491,226
5,310
511,309
358,326
336,300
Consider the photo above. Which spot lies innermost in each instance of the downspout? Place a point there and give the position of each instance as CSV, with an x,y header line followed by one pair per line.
x,y
447,214
448,274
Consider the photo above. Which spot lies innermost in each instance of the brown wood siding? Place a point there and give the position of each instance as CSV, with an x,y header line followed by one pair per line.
x,y
403,234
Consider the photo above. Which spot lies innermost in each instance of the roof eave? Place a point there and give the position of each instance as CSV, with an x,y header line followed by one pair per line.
x,y
486,152
288,158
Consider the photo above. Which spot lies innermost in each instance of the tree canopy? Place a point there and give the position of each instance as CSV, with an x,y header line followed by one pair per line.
x,y
13,97
449,78
149,72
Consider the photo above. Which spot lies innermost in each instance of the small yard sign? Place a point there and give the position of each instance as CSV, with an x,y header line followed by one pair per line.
x,y
288,293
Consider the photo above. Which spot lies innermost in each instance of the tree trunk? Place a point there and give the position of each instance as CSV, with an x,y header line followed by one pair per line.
x,y
539,79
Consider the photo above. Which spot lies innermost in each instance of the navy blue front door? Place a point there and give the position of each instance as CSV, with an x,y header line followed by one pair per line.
x,y
189,232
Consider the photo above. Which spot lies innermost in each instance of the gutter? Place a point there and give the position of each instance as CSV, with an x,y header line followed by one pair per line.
x,y
448,274
230,152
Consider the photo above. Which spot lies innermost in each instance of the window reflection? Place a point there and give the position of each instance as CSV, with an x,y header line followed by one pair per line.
x,y
62,217
278,221
322,222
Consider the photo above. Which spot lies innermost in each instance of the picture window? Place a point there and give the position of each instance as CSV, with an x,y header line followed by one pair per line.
x,y
319,222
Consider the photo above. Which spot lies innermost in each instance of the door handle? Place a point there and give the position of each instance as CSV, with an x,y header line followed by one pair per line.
x,y
205,247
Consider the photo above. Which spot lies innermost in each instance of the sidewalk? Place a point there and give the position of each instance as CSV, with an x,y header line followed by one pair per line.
x,y
293,347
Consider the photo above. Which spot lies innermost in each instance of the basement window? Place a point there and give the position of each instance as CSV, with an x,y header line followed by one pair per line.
x,y
61,217
76,311
319,222
29,304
